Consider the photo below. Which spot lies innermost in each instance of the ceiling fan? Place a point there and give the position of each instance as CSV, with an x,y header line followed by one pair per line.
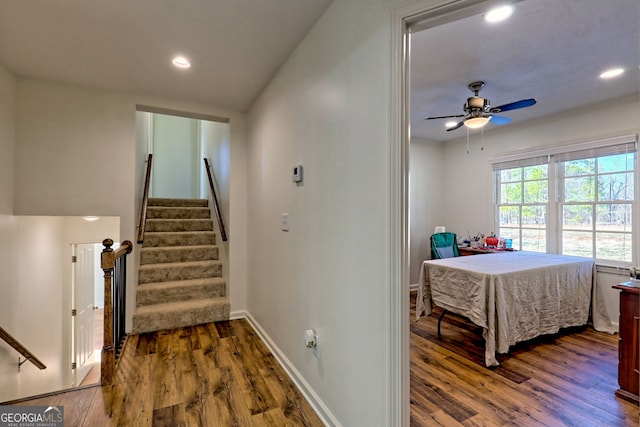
x,y
478,111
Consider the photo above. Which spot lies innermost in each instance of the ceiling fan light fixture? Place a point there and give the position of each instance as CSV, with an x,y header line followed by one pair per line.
x,y
499,14
181,62
611,73
476,122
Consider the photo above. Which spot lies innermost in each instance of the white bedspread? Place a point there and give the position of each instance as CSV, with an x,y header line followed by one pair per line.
x,y
513,296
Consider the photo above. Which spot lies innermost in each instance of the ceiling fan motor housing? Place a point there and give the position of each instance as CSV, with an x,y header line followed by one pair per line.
x,y
476,103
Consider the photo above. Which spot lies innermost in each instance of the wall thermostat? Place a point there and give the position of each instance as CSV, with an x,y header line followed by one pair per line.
x,y
297,173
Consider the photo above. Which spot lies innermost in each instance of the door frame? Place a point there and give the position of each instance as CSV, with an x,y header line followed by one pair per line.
x,y
420,14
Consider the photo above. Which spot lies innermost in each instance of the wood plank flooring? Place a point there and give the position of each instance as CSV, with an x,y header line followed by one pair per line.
x,y
218,374
567,379
223,375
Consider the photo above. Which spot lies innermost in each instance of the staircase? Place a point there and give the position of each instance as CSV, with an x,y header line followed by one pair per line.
x,y
180,277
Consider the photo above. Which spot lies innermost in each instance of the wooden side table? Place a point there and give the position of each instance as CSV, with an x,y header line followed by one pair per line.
x,y
628,352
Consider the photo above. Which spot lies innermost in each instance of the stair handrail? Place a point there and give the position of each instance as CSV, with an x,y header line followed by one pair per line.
x,y
113,263
145,201
223,232
6,336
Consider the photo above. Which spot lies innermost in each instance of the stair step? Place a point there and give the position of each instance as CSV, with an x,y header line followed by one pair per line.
x,y
169,225
182,290
159,255
161,201
156,212
180,238
172,271
157,317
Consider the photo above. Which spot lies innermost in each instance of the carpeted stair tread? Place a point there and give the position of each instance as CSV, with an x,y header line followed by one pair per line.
x,y
177,212
150,318
166,254
169,225
159,201
180,276
180,290
172,271
179,238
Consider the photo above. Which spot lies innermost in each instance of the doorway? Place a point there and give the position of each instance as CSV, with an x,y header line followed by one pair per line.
x,y
87,313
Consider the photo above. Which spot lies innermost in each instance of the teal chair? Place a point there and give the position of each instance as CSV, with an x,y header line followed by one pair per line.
x,y
444,245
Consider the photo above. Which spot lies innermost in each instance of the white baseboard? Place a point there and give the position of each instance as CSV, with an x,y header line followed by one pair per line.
x,y
325,415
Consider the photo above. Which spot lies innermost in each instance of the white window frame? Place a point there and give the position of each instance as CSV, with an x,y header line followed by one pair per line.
x,y
627,143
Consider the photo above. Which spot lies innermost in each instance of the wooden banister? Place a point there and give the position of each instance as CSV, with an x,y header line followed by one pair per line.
x,y
21,349
114,292
223,232
145,201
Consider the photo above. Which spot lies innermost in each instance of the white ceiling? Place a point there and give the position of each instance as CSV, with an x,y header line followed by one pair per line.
x,y
235,46
551,50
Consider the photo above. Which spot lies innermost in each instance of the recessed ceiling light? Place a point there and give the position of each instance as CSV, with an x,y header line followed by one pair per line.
x,y
91,218
499,13
611,73
181,62
450,124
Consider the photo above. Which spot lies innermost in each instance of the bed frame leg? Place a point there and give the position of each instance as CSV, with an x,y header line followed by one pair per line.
x,y
440,319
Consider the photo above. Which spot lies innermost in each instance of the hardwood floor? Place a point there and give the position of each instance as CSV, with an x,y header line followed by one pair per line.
x,y
223,375
568,379
218,374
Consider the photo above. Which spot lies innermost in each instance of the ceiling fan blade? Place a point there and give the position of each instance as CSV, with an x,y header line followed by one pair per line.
x,y
444,117
514,105
499,120
456,126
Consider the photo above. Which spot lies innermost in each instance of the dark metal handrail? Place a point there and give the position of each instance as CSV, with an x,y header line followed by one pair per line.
x,y
145,201
113,263
21,349
223,232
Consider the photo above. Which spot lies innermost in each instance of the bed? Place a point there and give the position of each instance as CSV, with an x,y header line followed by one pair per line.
x,y
512,296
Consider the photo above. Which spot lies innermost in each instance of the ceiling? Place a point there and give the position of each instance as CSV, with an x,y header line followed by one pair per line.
x,y
550,50
235,46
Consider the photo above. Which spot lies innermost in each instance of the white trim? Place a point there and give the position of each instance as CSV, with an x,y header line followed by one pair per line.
x,y
398,295
323,412
238,314
560,148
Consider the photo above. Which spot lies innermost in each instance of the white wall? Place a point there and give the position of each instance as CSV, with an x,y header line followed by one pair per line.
x,y
77,154
328,110
176,157
38,301
215,145
8,276
427,181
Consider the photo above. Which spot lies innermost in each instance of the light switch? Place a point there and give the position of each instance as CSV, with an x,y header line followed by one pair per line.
x,y
297,173
285,222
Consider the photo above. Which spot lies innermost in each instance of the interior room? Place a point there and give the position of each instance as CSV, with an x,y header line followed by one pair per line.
x,y
559,67
541,97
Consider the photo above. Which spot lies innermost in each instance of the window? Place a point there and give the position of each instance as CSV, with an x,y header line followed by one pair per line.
x,y
522,206
574,200
596,205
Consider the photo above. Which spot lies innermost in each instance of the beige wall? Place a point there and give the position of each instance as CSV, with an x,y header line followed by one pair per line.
x,y
7,139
